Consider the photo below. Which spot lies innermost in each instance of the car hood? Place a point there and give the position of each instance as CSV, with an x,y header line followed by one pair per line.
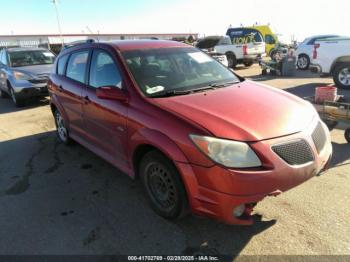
x,y
35,70
247,111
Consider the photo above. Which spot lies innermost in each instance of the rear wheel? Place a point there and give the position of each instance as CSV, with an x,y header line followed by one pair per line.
x,y
248,63
231,60
341,75
163,185
347,135
303,62
62,131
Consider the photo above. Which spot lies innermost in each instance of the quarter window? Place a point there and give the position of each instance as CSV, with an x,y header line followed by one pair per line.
x,y
103,71
76,68
61,64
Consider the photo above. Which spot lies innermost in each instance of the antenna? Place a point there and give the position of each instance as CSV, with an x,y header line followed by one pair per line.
x,y
58,20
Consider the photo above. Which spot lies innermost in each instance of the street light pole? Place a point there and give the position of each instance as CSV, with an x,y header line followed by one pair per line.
x,y
58,20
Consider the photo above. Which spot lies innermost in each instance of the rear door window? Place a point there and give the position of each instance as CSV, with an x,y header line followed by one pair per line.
x,y
76,68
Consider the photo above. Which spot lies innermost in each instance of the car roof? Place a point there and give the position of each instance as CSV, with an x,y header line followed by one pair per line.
x,y
317,36
20,49
126,45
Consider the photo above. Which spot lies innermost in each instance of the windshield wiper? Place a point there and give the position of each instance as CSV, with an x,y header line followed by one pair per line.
x,y
223,84
167,93
174,92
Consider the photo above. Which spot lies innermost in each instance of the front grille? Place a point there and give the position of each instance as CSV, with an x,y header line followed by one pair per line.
x,y
39,80
295,152
319,137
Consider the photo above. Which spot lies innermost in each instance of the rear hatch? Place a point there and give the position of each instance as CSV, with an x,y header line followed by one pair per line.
x,y
256,48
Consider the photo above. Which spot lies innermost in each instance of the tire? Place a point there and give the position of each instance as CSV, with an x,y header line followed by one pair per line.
x,y
163,186
62,131
272,54
303,62
248,63
341,75
231,60
19,102
3,94
347,135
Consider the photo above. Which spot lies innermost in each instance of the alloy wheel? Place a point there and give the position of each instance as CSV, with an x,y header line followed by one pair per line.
x,y
61,129
344,76
302,62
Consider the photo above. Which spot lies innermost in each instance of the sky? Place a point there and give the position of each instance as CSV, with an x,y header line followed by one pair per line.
x,y
297,18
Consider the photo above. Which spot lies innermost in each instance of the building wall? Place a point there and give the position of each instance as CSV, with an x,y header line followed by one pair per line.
x,y
36,40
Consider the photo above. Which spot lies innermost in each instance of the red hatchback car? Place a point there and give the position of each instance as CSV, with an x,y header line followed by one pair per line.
x,y
198,136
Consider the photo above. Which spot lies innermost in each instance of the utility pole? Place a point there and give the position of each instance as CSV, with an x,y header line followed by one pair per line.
x,y
58,20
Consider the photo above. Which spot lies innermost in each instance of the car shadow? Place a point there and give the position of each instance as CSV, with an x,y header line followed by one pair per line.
x,y
7,106
66,200
341,154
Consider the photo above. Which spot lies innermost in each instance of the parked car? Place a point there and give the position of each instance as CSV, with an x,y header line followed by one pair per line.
x,y
236,53
304,50
332,56
24,73
198,136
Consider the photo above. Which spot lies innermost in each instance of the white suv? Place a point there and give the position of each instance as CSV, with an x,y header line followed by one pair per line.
x,y
305,49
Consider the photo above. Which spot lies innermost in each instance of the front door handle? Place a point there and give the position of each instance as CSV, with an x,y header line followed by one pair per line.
x,y
86,100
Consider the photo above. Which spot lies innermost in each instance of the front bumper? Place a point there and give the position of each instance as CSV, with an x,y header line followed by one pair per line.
x,y
216,191
28,90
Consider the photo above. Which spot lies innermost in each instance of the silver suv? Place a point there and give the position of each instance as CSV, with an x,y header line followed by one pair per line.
x,y
24,73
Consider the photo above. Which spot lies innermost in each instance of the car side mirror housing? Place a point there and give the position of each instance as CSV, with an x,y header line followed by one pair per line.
x,y
111,93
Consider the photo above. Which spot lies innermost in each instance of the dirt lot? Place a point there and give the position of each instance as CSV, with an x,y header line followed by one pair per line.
x,y
65,200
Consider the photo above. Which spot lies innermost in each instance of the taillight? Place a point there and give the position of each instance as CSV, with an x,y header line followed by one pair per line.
x,y
245,50
314,55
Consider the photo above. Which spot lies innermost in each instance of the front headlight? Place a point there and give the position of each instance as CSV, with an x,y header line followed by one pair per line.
x,y
21,76
229,153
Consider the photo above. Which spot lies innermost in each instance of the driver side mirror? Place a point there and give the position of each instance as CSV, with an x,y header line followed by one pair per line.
x,y
111,93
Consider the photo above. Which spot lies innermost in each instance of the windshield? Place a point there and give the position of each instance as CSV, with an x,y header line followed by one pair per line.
x,y
31,57
180,69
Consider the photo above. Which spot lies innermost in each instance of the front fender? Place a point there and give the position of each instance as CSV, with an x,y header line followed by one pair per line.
x,y
158,140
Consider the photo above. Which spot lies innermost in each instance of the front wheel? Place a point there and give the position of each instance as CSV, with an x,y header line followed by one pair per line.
x,y
231,60
341,75
3,94
19,102
163,185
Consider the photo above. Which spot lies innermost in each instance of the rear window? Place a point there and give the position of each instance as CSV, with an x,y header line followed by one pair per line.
x,y
244,35
208,42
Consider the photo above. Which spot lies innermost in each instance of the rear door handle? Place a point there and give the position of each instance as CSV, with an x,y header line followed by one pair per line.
x,y
60,88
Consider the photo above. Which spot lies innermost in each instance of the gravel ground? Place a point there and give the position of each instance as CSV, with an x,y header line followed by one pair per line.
x,y
65,200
